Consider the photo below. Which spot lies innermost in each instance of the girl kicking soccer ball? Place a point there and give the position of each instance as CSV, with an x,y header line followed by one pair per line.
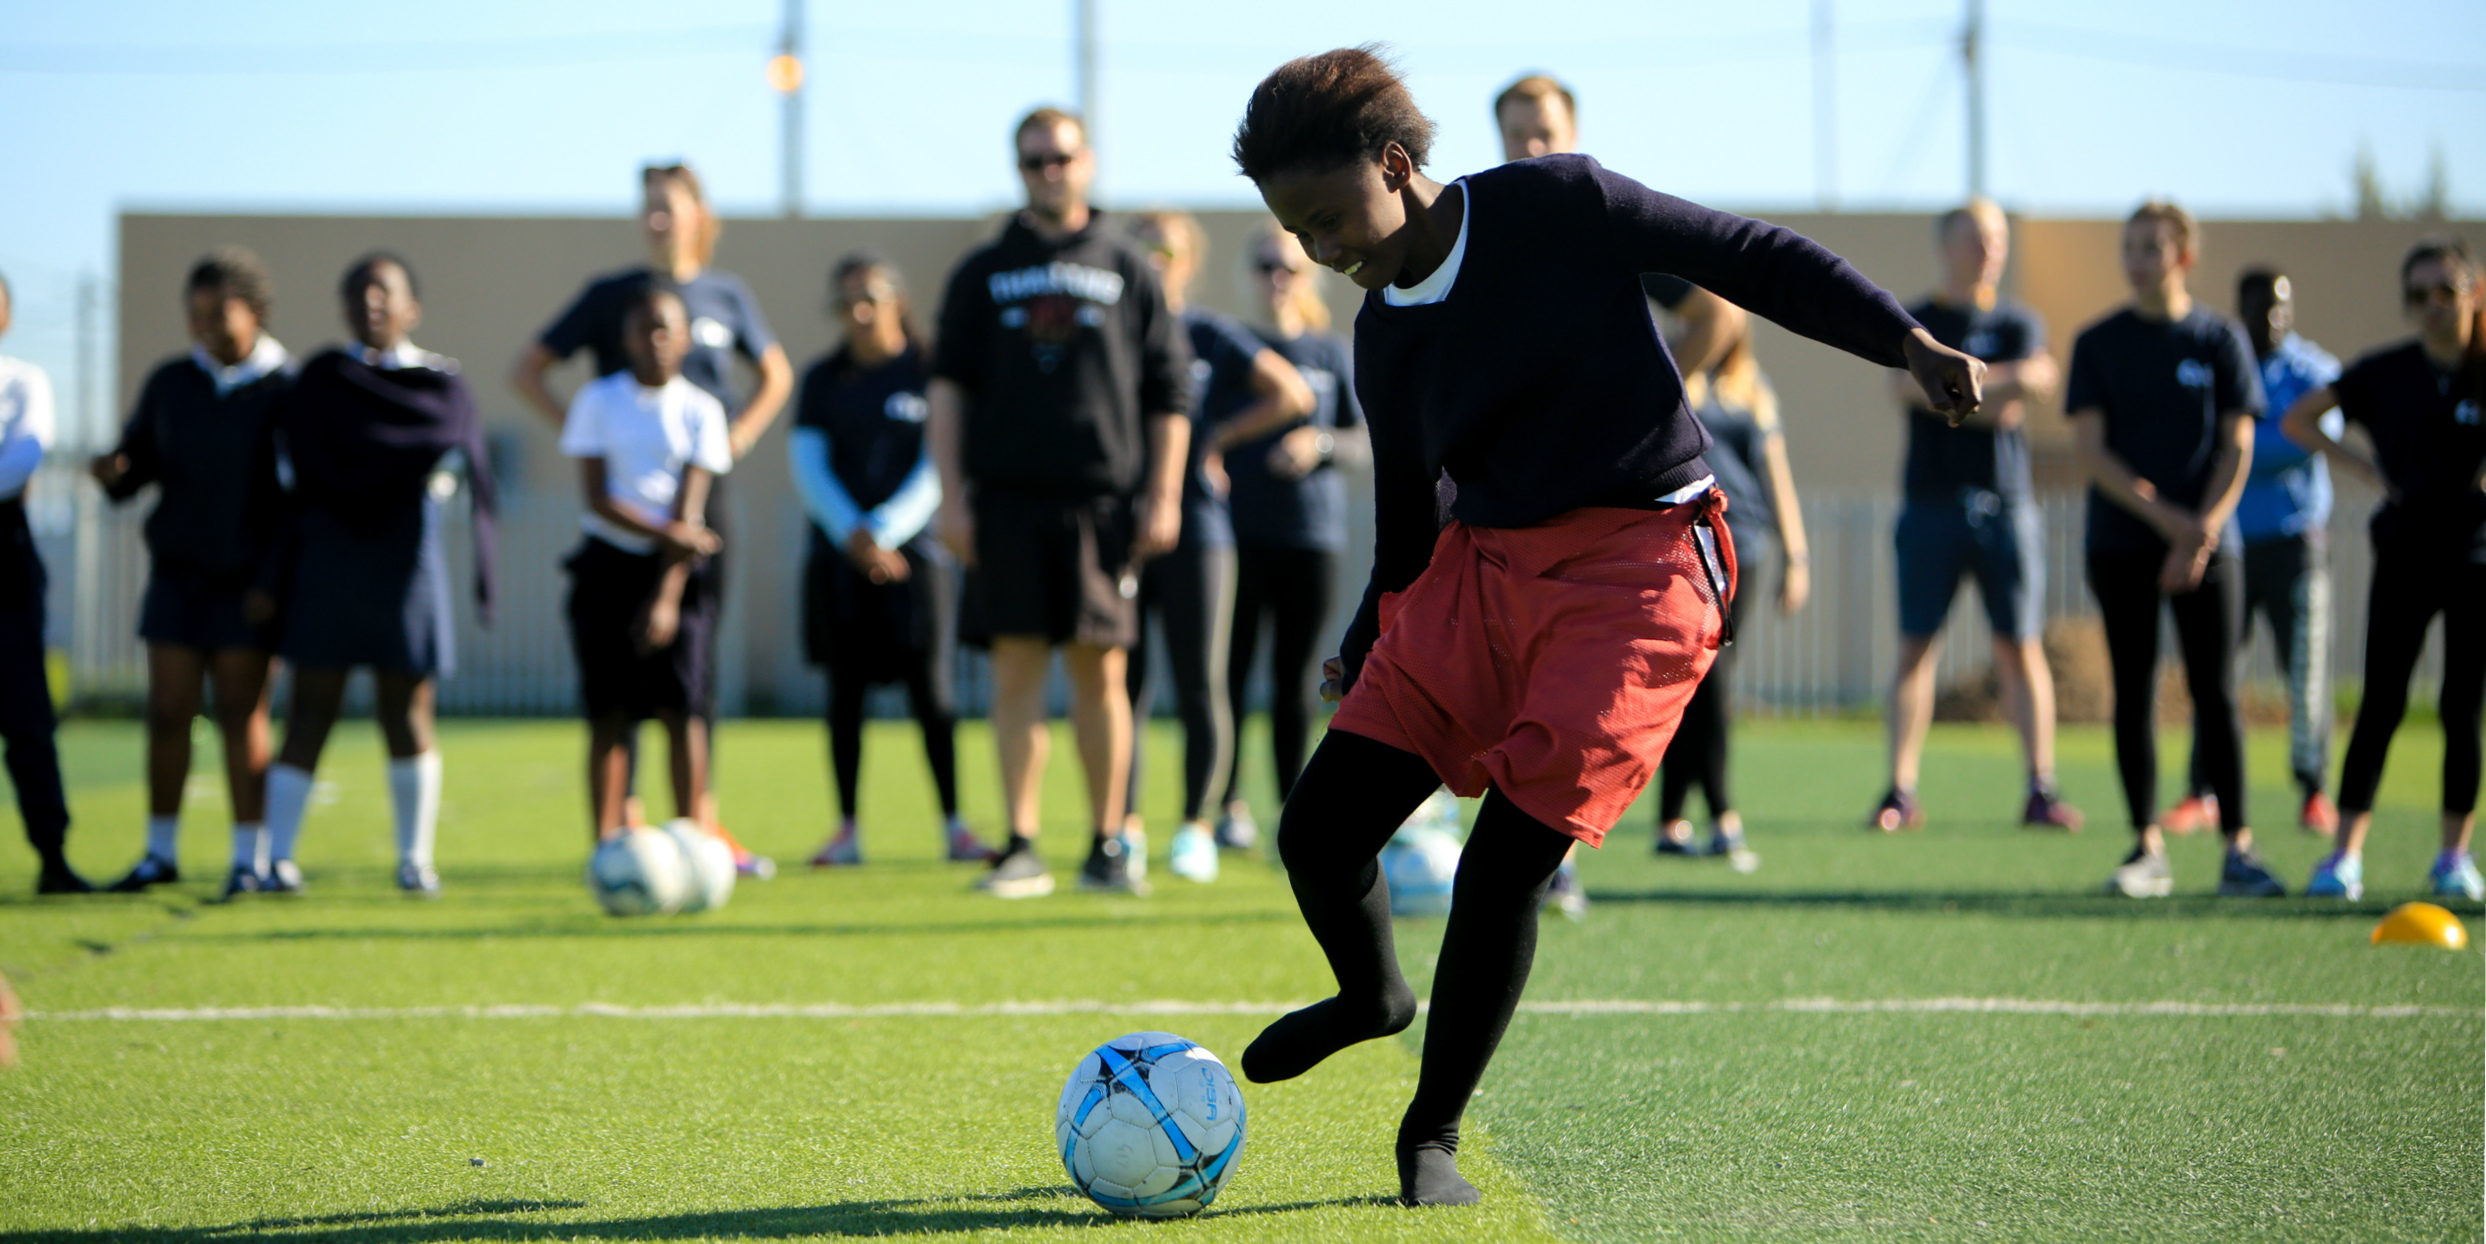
x,y
1537,649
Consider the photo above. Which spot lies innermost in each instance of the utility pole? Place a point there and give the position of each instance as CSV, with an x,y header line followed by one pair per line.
x,y
1972,59
1825,108
88,427
1083,63
785,76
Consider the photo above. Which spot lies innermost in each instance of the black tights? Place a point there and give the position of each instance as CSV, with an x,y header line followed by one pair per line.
x,y
2406,596
2205,629
1354,794
927,694
1294,589
1191,590
1697,756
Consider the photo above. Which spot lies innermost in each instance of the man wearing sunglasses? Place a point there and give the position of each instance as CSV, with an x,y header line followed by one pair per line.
x,y
1059,402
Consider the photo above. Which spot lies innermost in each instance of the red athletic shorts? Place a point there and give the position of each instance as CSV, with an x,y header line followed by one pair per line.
x,y
1552,662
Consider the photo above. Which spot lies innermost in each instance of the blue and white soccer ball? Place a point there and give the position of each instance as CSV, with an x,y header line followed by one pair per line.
x,y
639,872
1150,1126
1421,861
710,865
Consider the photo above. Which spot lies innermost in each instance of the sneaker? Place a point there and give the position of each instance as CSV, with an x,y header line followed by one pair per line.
x,y
1135,855
845,850
1236,830
1194,853
153,870
2194,814
242,880
418,880
2243,876
282,877
1563,893
58,878
1108,868
1899,811
964,848
1018,873
1675,838
2045,811
1739,855
2456,876
2318,816
2144,874
2339,875
747,862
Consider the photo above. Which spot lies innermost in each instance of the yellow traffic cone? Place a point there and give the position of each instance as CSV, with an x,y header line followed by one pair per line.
x,y
2421,924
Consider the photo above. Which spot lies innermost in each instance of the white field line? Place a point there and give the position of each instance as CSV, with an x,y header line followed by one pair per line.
x,y
909,1010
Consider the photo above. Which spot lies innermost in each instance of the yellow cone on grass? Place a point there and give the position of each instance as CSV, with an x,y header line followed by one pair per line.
x,y
2421,924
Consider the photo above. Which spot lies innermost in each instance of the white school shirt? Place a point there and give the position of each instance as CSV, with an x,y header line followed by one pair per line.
x,y
647,438
26,422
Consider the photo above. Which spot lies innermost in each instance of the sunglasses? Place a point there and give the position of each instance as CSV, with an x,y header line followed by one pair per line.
x,y
2420,295
1039,163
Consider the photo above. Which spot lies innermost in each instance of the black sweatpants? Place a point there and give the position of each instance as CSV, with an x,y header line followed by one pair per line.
x,y
2287,580
2126,585
2407,593
1353,796
1698,755
26,720
1294,590
1191,593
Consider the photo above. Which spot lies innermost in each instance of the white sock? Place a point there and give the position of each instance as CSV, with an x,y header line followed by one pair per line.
x,y
414,795
250,846
164,837
289,796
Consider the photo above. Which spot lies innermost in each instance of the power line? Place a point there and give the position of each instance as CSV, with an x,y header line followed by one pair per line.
x,y
2124,49
373,56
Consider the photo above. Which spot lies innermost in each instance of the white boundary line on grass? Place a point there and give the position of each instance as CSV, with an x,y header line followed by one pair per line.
x,y
1588,1007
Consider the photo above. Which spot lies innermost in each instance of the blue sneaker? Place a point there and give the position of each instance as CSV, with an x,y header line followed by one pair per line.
x,y
2339,875
2243,876
2455,876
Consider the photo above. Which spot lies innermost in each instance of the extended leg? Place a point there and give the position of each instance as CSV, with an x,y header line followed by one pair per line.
x,y
1354,794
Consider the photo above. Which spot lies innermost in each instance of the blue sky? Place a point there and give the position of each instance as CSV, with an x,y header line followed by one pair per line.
x,y
546,106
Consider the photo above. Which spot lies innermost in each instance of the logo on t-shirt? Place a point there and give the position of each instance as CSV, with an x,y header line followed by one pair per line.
x,y
907,407
712,333
1979,344
2465,414
2193,374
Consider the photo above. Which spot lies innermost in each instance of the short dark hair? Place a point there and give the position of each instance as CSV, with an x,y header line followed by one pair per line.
x,y
361,270
1049,117
1322,112
237,273
2263,279
2451,250
1536,86
648,293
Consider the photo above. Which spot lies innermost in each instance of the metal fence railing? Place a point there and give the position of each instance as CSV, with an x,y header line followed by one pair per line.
x,y
1833,657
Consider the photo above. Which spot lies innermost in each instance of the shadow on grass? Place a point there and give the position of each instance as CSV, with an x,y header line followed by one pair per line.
x,y
2034,904
1059,1206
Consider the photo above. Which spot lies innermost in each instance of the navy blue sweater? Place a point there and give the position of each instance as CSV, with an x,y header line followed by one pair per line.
x,y
1540,384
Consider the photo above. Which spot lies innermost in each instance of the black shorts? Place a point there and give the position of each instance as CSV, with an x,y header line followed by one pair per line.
x,y
608,588
185,609
1054,569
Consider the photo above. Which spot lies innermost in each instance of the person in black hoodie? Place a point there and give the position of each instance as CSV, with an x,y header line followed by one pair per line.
x,y
1058,403
204,432
1539,649
367,431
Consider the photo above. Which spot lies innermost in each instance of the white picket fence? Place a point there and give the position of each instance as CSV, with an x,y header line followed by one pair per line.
x,y
1832,658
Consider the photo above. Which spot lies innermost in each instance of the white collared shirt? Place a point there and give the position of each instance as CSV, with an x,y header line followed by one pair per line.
x,y
26,423
402,355
647,438
265,357
1436,287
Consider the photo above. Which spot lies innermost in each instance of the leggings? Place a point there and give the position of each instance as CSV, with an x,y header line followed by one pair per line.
x,y
26,720
1698,755
2287,580
2205,629
928,693
2407,593
1356,793
1191,590
1294,588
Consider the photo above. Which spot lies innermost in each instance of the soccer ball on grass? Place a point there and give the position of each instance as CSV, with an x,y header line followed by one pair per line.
x,y
1150,1126
639,872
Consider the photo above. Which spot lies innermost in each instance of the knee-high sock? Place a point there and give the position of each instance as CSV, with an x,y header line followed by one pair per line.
x,y
414,795
250,845
164,837
289,797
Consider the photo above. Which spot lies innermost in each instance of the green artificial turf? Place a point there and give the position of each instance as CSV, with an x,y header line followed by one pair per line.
x,y
931,1115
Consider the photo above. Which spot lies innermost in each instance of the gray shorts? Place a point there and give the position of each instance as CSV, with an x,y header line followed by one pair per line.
x,y
1999,540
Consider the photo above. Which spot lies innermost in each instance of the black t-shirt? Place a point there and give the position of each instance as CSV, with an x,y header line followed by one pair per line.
x,y
1062,348
1736,456
2162,385
1221,384
1943,459
2430,440
873,418
725,321
1307,513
